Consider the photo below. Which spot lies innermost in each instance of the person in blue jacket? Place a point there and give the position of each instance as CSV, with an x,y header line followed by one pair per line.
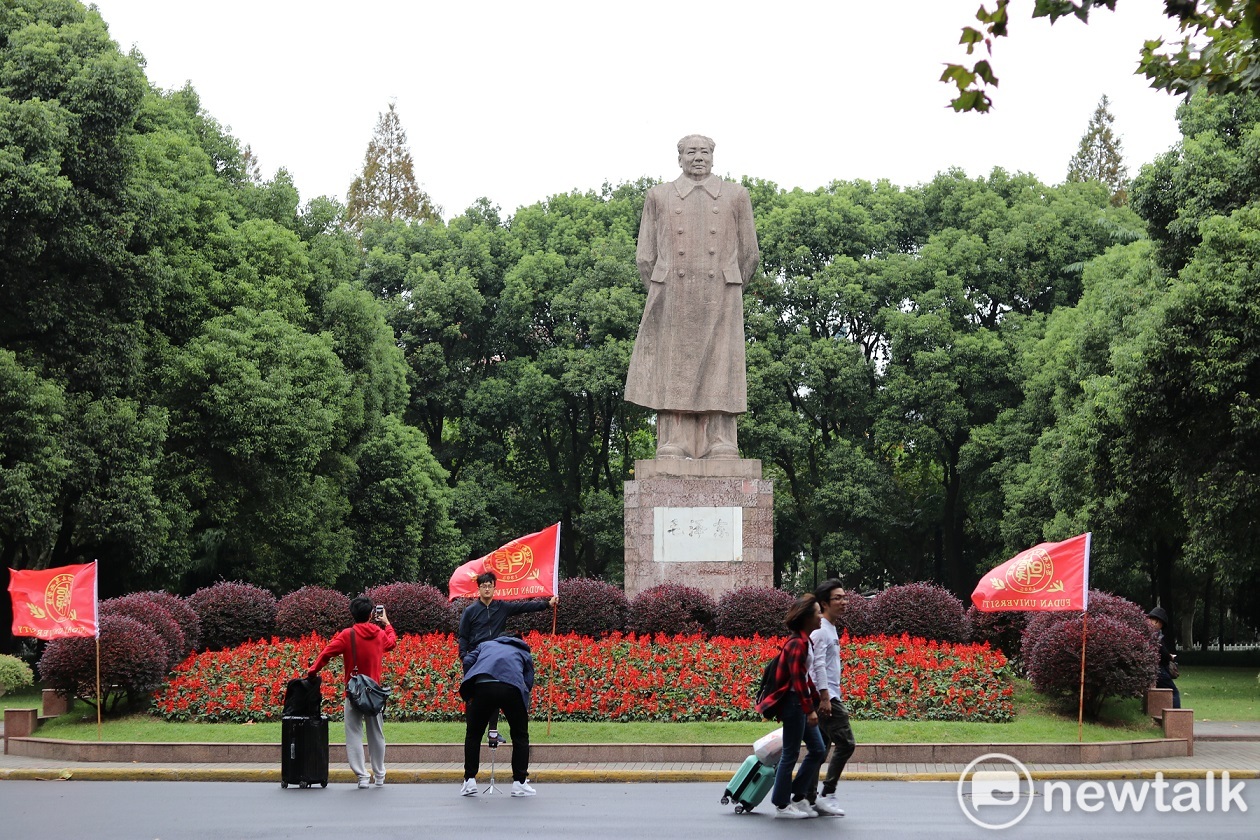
x,y
498,676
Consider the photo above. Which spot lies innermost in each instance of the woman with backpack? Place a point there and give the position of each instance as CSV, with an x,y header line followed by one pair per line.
x,y
794,701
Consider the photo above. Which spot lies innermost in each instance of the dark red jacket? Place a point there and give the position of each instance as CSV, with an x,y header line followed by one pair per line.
x,y
370,644
793,675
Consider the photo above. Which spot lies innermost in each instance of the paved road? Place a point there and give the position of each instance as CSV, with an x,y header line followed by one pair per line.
x,y
877,811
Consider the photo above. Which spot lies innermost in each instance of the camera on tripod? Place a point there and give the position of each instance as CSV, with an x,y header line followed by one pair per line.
x,y
493,739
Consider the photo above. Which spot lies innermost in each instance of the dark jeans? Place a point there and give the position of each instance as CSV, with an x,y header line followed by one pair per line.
x,y
838,734
796,729
485,700
1165,680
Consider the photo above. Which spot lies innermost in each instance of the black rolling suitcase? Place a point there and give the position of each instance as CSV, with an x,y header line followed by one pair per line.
x,y
303,736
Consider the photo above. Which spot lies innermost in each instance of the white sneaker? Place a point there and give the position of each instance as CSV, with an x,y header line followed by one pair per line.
x,y
804,807
364,784
523,789
828,806
791,812
469,788
379,782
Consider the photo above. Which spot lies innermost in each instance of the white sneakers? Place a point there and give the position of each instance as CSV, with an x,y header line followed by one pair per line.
x,y
518,788
795,811
364,784
828,806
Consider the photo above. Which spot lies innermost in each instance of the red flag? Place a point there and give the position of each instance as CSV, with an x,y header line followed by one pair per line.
x,y
53,603
527,567
1045,578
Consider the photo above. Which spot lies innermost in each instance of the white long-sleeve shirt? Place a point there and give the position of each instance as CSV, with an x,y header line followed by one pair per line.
x,y
824,644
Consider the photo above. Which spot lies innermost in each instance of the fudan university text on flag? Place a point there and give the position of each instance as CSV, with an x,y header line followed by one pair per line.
x,y
1046,578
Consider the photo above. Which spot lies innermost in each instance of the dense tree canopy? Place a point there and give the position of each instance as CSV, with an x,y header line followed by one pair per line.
x,y
201,377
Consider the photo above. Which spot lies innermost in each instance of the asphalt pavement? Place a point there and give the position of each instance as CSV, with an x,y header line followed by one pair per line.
x,y
875,811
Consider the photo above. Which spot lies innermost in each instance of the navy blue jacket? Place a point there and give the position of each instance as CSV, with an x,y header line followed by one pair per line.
x,y
506,659
479,622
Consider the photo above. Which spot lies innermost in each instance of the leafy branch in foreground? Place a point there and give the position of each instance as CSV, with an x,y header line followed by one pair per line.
x,y
1219,49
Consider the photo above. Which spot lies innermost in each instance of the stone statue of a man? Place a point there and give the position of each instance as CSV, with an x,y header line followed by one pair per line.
x,y
697,248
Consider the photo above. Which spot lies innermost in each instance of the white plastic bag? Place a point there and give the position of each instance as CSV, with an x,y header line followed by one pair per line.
x,y
769,747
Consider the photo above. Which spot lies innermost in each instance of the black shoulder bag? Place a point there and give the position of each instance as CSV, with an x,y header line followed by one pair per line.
x,y
363,692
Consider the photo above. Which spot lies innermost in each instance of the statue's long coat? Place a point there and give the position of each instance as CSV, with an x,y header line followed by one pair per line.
x,y
697,248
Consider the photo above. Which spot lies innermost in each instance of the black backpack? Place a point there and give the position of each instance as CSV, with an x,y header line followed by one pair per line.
x,y
768,685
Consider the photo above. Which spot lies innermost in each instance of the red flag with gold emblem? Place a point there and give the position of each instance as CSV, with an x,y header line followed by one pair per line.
x,y
54,603
527,567
1045,578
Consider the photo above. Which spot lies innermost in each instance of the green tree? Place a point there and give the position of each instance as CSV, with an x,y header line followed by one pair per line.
x,y
386,188
1099,157
1210,172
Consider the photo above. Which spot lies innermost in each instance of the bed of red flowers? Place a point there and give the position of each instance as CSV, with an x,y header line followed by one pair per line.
x,y
617,678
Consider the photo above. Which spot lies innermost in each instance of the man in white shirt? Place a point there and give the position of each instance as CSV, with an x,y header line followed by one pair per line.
x,y
833,718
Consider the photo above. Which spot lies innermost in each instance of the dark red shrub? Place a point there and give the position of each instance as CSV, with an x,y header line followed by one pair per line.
x,y
132,665
185,616
415,608
671,608
587,607
151,614
1101,604
920,609
752,610
1002,630
858,616
232,612
312,609
1119,660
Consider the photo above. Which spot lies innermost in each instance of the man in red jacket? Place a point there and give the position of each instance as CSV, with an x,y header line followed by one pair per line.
x,y
373,636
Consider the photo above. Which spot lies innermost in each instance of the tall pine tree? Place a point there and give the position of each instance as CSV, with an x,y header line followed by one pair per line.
x,y
386,189
1099,157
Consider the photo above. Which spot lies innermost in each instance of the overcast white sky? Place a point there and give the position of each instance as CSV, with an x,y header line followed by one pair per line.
x,y
518,101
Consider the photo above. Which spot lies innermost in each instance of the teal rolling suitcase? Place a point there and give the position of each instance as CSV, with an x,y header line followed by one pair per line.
x,y
749,785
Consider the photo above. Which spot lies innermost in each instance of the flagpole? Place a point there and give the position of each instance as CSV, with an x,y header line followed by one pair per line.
x,y
555,611
1080,711
99,699
551,676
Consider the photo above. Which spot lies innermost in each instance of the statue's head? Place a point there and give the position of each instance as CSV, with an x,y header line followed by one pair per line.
x,y
695,156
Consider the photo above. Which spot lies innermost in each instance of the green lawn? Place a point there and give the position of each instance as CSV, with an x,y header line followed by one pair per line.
x,y
1214,693
1220,693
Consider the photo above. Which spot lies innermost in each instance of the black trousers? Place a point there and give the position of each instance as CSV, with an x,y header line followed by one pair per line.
x,y
484,701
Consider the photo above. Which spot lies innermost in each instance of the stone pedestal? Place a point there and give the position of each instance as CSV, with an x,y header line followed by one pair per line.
x,y
707,524
54,704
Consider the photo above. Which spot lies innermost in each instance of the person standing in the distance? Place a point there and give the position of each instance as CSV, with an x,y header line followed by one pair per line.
x,y
486,618
795,700
833,717
697,248
1158,619
373,637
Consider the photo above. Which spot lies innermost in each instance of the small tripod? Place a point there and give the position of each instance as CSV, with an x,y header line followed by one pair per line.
x,y
492,740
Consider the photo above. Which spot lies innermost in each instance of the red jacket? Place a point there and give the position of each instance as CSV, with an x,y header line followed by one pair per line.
x,y
370,644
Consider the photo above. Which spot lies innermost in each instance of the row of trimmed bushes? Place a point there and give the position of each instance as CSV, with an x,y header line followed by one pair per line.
x,y
229,613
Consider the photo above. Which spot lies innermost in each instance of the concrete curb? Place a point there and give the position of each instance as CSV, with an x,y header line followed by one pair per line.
x,y
402,776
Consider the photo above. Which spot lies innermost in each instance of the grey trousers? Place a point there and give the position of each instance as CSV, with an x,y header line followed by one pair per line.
x,y
355,723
